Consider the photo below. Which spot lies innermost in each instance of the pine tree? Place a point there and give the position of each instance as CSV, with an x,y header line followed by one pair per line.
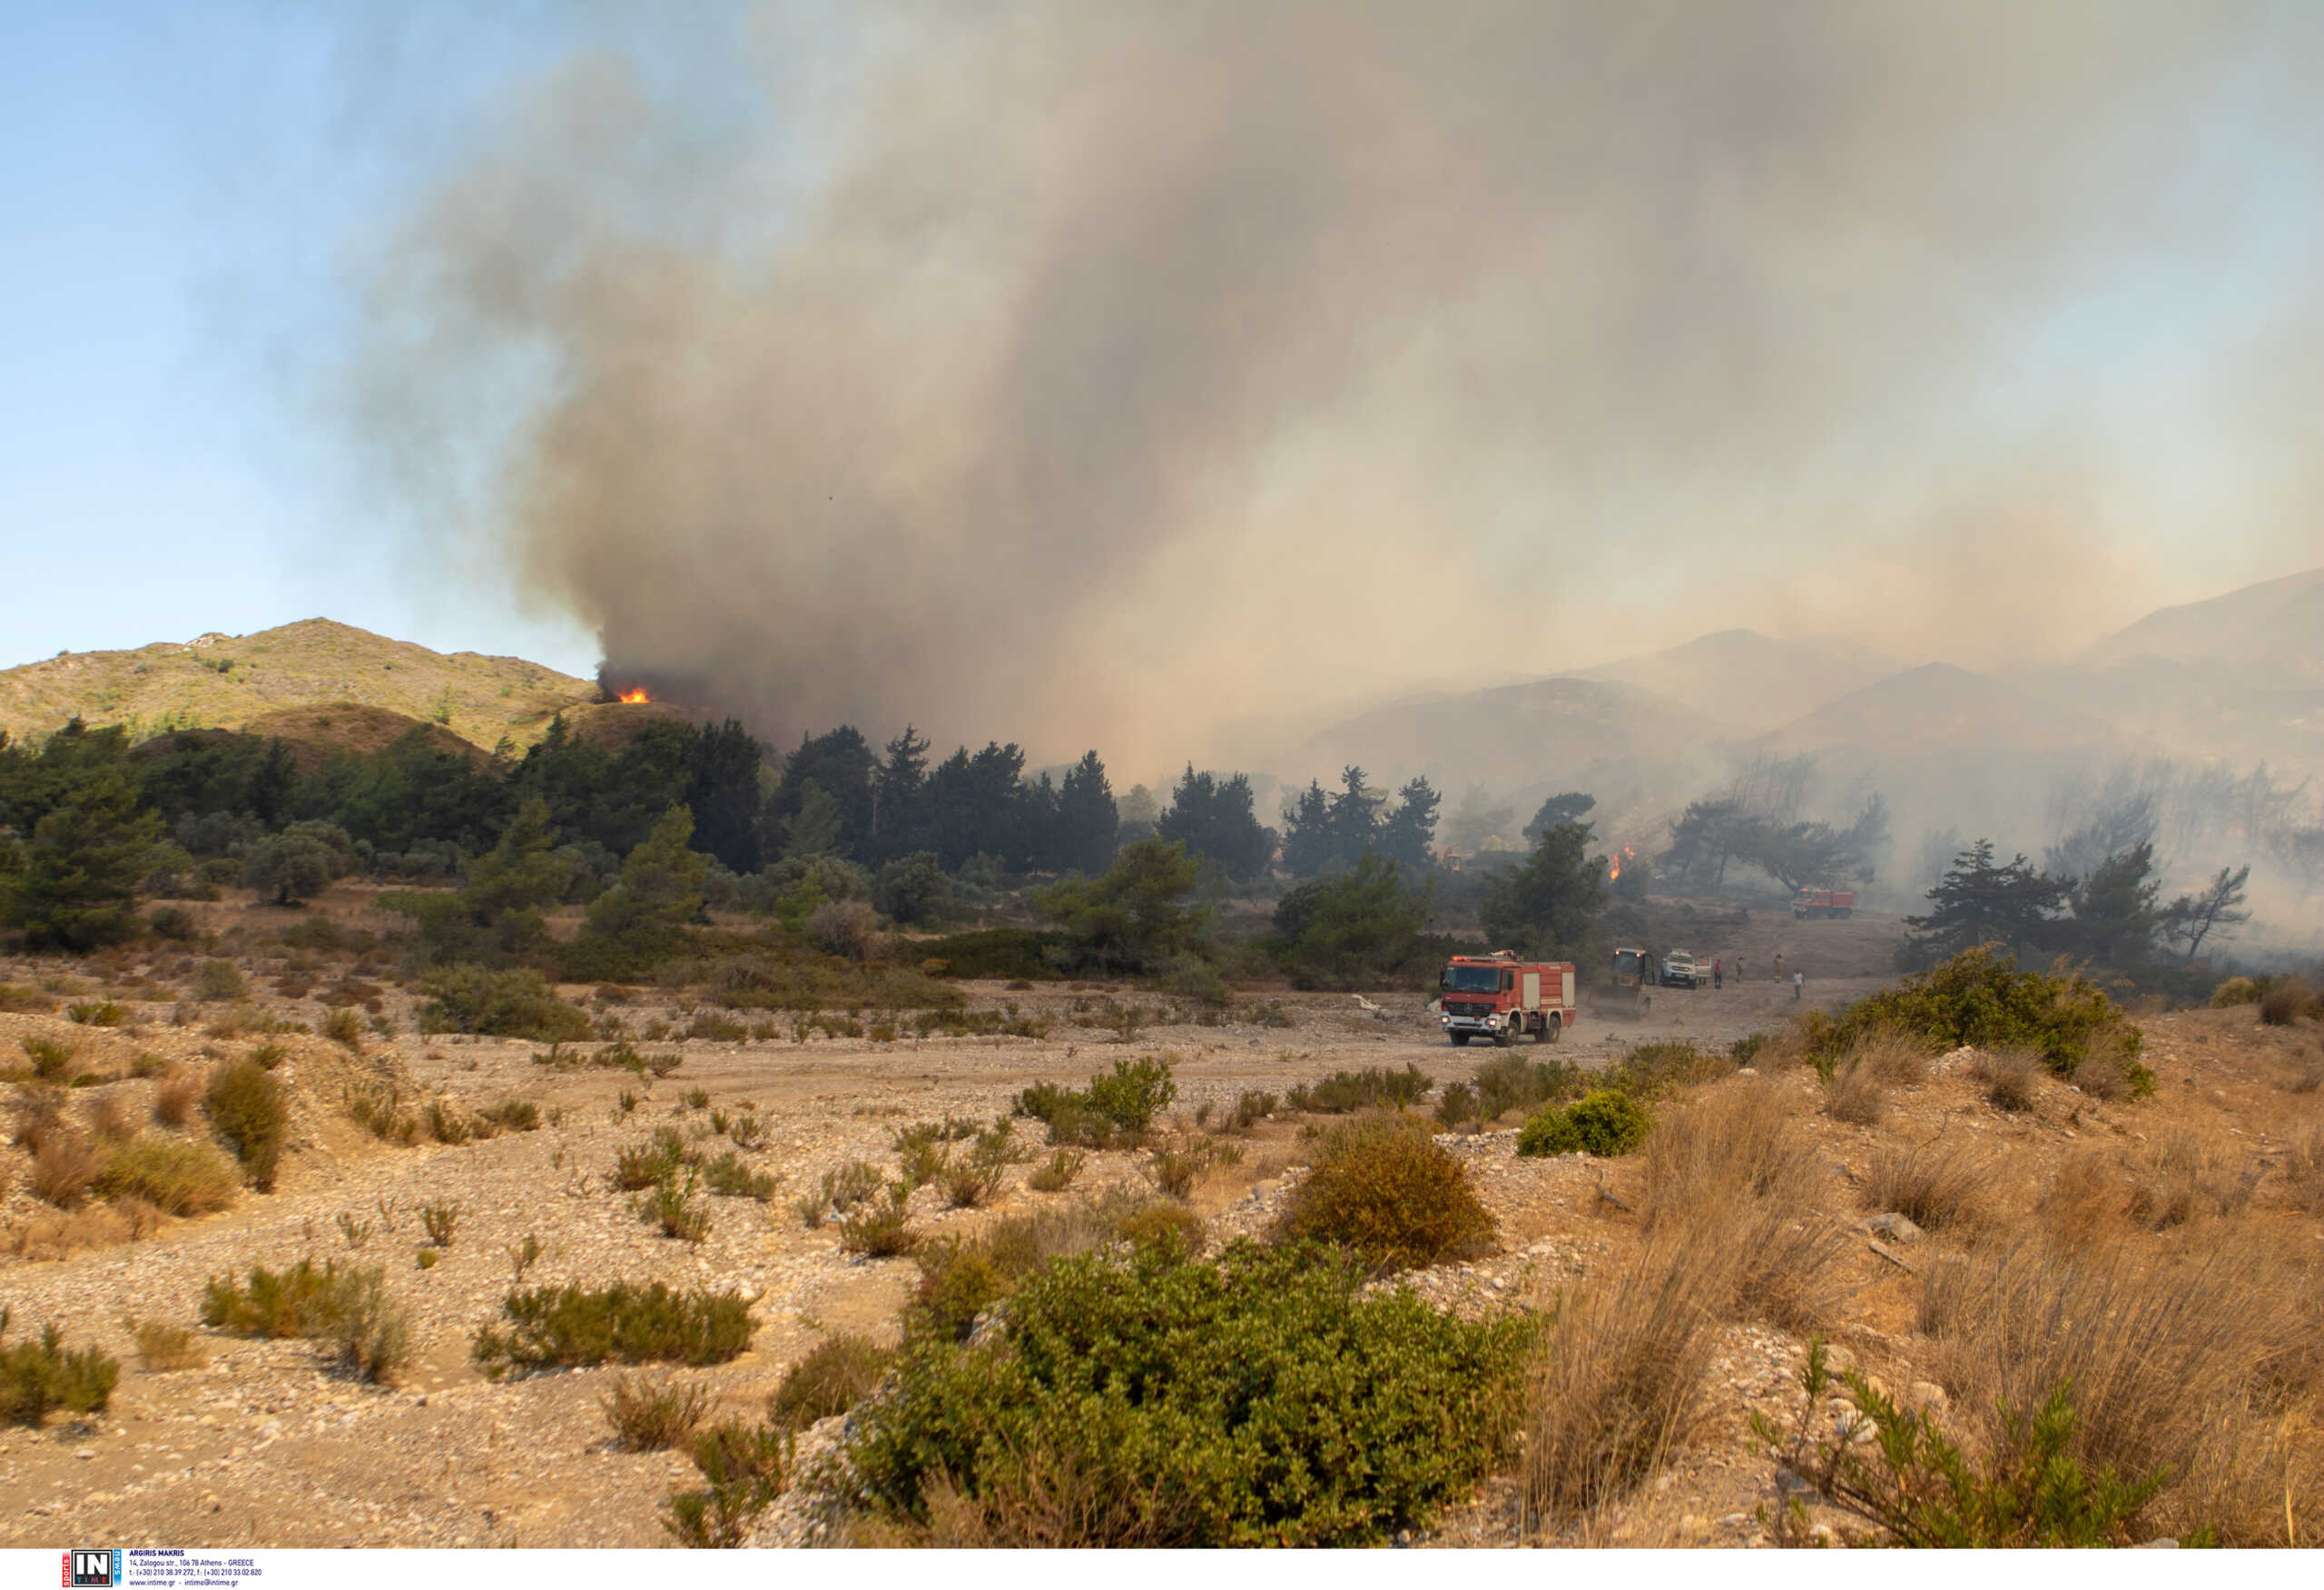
x,y
1306,832
1408,834
1977,903
1086,820
1544,905
77,886
1217,819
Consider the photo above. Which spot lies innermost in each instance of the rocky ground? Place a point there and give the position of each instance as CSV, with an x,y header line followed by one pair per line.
x,y
264,1445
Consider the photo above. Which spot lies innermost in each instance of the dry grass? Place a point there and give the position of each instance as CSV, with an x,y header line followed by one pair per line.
x,y
1618,1382
109,1118
1856,1095
173,1099
652,1414
2008,1074
1935,1184
2199,1367
2181,1175
2286,1001
2103,1077
62,1235
2305,1074
1896,1057
1732,1175
64,1165
2304,1173
162,1348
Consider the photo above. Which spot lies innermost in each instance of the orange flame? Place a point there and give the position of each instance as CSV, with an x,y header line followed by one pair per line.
x,y
632,698
1615,870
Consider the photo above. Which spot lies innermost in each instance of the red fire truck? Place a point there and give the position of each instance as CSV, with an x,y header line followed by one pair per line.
x,y
1501,997
1823,902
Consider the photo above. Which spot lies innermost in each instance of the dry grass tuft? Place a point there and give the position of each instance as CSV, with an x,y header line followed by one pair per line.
x,y
1618,1382
2103,1077
2195,1366
64,1166
2180,1176
2008,1074
2306,1076
2285,1001
652,1414
162,1348
1730,1174
2304,1173
1855,1094
1934,1184
1894,1056
173,1099
60,1236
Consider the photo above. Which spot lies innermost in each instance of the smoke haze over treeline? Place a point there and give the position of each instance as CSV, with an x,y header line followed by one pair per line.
x,y
1096,374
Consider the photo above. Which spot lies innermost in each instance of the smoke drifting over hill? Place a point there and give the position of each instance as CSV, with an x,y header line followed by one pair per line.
x,y
1094,373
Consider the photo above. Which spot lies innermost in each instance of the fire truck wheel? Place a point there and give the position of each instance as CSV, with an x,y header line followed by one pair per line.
x,y
1549,1033
1501,1039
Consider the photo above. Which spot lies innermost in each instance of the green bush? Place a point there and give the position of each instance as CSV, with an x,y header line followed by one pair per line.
x,y
1384,1189
729,1177
1605,1123
841,1372
2235,991
1372,1088
38,1376
995,952
1114,1109
51,1061
513,1004
742,1468
247,1111
570,1325
173,1175
1915,1483
1981,999
347,1309
1149,1398
653,1416
1510,1082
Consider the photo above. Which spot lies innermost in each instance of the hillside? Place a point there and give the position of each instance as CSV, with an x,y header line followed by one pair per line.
x,y
1515,734
1938,708
1749,683
2277,626
231,682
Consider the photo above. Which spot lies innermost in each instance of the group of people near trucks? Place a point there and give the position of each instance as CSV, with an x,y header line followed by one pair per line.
x,y
1719,974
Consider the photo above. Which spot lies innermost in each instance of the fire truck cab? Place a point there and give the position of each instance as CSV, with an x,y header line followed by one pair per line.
x,y
1501,997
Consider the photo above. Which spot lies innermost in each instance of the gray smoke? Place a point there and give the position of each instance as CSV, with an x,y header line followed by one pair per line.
x,y
1094,373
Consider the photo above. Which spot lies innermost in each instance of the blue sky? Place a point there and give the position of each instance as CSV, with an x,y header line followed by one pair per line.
x,y
187,194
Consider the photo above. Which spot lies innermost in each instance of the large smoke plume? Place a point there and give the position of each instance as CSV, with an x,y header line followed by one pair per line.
x,y
1094,373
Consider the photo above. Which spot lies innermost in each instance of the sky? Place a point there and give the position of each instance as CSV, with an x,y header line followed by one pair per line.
x,y
305,312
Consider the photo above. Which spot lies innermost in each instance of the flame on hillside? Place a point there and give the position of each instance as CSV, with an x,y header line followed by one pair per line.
x,y
1621,860
636,698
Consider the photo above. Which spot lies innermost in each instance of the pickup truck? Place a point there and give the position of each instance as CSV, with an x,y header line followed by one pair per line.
x,y
1682,970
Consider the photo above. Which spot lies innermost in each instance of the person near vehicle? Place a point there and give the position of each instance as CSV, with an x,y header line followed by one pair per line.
x,y
1717,973
1798,983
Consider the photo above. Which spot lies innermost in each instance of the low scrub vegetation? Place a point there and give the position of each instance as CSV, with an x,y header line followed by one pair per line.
x,y
1604,1123
744,1468
37,1378
652,1415
344,1308
839,1372
517,1002
1938,1185
1114,1111
247,1111
568,1326
1151,1399
175,1176
1981,999
1384,1190
1374,1088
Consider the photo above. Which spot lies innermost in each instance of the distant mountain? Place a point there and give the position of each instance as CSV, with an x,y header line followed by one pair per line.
x,y
234,681
2276,626
1745,681
1936,709
1513,734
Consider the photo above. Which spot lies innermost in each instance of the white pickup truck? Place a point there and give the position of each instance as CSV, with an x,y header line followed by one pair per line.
x,y
1682,970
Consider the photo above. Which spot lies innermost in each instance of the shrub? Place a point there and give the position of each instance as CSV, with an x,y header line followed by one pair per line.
x,y
247,1111
747,1131
1373,1088
15,1000
347,1309
646,1164
841,1372
175,1176
51,1061
1605,1123
162,1348
1384,1189
1149,1399
1507,1083
1115,1107
570,1325
743,1467
2285,1001
1981,999
670,1207
879,1228
973,1178
513,1004
1652,1071
843,927
2235,991
1457,1107
653,1416
440,1222
515,1115
1915,1485
729,1177
103,1013
1056,1173
841,1190
344,1027
37,1376
220,980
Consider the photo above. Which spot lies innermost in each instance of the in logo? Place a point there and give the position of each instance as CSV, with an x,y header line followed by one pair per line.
x,y
88,1568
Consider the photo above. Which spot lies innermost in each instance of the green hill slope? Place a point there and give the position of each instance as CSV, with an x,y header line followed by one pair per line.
x,y
226,682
